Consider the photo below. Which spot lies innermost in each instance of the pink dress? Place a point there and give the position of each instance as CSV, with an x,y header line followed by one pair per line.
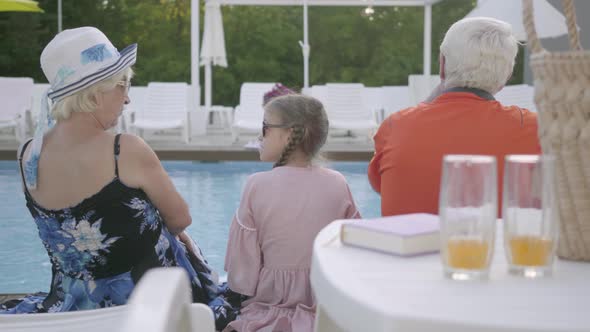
x,y
270,244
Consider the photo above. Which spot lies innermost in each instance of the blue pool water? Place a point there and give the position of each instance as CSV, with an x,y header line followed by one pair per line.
x,y
212,191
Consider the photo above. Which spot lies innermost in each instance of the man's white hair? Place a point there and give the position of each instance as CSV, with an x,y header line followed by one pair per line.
x,y
479,53
83,100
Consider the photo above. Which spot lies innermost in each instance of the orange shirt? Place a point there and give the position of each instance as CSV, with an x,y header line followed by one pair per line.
x,y
410,145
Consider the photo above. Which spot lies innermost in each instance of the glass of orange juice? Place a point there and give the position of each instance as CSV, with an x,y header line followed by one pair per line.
x,y
530,214
468,205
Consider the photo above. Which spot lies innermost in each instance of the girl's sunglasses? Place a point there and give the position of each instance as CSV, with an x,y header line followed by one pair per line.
x,y
265,126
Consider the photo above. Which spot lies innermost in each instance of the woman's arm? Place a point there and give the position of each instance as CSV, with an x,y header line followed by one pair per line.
x,y
139,167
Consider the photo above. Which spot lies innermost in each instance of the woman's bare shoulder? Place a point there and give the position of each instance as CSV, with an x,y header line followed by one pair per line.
x,y
136,160
134,146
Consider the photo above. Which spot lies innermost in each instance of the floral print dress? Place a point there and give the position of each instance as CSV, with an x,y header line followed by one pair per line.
x,y
100,248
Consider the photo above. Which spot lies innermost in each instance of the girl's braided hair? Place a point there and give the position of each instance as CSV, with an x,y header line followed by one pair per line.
x,y
308,119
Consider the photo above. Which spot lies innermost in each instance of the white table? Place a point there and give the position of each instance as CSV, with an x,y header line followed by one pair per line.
x,y
363,290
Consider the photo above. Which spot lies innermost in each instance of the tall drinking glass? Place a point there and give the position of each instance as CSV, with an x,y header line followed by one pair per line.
x,y
530,215
468,206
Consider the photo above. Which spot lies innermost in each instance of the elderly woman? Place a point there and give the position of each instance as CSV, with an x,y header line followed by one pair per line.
x,y
105,208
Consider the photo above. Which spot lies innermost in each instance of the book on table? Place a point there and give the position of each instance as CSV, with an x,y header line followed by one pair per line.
x,y
403,235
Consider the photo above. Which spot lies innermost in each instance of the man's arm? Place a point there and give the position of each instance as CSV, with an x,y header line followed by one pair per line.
x,y
380,139
374,172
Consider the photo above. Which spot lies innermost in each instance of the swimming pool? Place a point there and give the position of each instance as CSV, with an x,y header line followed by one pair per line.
x,y
212,191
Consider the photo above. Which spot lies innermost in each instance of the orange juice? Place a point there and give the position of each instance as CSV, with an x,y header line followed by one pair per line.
x,y
530,250
466,253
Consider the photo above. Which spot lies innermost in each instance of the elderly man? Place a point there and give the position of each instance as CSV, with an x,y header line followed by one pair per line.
x,y
461,117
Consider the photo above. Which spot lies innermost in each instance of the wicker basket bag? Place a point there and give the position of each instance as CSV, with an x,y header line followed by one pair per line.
x,y
562,96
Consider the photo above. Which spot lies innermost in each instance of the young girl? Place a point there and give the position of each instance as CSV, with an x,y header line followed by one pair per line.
x,y
281,211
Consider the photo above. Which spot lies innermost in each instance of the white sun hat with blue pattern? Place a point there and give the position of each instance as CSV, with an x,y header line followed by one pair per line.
x,y
72,61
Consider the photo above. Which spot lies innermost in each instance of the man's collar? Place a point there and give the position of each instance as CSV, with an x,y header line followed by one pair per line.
x,y
478,92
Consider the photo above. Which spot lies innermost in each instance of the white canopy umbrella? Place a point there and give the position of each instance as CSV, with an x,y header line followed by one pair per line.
x,y
213,47
553,22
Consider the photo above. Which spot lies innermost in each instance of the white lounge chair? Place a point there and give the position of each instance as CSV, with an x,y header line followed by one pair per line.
x,y
137,96
319,92
395,99
373,100
421,87
166,107
248,115
16,98
520,95
347,109
161,302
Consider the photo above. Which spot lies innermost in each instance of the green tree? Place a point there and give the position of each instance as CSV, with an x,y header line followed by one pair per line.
x,y
261,42
21,42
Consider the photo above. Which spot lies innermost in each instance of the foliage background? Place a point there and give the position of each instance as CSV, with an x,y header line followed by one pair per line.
x,y
261,42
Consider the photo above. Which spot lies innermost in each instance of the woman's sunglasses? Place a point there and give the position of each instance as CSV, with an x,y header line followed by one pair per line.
x,y
265,126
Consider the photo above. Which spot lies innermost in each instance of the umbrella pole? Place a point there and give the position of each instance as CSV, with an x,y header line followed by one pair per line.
x,y
305,47
427,38
208,85
195,79
59,16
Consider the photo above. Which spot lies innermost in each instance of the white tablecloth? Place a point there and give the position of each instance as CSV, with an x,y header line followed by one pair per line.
x,y
363,290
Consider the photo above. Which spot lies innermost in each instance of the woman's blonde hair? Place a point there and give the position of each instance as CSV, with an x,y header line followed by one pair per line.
x,y
308,119
83,100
